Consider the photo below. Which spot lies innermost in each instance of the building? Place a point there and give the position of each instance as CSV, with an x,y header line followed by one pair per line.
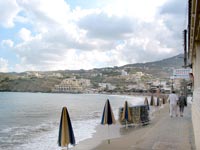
x,y
124,73
58,75
107,86
32,74
139,74
72,85
194,55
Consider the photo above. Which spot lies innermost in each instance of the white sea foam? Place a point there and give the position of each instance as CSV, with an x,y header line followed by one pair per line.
x,y
40,132
82,130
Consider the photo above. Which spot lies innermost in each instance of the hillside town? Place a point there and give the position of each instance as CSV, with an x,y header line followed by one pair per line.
x,y
116,80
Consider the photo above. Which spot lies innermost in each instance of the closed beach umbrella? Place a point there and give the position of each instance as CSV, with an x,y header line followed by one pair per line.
x,y
126,114
152,100
163,100
158,101
107,116
146,102
66,134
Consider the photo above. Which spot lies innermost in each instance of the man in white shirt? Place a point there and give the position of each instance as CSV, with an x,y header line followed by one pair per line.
x,y
173,98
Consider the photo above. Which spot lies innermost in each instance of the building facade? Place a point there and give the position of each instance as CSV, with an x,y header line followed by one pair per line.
x,y
72,85
194,55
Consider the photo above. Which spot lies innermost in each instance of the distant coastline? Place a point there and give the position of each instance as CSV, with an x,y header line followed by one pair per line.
x,y
131,79
105,93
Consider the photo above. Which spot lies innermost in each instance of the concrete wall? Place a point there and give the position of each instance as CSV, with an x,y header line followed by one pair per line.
x,y
196,97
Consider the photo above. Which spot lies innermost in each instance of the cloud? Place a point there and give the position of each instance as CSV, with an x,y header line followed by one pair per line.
x,y
8,10
174,16
3,65
25,34
170,7
55,36
143,9
7,43
106,27
42,13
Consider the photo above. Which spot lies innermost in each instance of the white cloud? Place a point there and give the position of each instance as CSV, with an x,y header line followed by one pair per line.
x,y
25,34
45,13
7,43
24,67
8,10
117,33
144,10
3,65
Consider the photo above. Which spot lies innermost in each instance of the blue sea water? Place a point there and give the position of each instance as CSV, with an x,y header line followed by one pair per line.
x,y
31,120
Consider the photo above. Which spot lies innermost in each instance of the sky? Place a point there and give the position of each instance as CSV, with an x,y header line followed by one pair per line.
x,y
45,35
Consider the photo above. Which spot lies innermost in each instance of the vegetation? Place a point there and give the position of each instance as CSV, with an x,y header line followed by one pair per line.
x,y
24,82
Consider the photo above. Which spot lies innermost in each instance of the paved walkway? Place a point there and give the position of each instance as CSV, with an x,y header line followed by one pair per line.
x,y
163,133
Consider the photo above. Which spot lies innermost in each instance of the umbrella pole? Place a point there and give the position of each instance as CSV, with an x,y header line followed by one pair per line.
x,y
126,124
108,135
65,148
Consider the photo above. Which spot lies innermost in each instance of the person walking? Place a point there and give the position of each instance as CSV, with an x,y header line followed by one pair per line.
x,y
182,102
172,99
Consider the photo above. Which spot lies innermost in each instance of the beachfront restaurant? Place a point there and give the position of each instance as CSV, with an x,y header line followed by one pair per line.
x,y
194,56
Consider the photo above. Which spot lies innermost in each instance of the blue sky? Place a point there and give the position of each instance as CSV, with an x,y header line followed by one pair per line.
x,y
41,35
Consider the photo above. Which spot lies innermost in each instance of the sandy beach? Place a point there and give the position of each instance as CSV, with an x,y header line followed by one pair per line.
x,y
162,133
116,131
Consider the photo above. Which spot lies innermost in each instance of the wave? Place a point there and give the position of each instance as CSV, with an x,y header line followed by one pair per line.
x,y
44,136
19,135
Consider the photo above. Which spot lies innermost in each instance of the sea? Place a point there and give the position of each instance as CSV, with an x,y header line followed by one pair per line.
x,y
31,120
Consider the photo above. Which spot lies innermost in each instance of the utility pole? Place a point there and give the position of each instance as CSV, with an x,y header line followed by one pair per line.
x,y
185,59
185,48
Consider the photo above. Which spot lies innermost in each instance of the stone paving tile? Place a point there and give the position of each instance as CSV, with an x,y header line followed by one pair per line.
x,y
169,133
163,133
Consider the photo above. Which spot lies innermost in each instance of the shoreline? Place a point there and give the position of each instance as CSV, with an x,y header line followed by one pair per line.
x,y
116,93
100,137
163,132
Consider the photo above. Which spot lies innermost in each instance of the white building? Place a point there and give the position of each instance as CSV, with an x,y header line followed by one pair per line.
x,y
72,85
194,53
59,75
139,74
33,74
124,73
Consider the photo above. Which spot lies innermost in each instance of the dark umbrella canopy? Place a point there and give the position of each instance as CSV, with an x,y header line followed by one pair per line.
x,y
152,100
107,117
126,114
146,102
163,100
158,101
66,134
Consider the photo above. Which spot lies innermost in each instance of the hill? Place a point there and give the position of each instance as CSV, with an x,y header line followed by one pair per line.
x,y
175,61
36,81
161,69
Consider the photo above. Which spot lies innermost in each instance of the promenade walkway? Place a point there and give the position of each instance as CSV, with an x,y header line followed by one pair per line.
x,y
163,133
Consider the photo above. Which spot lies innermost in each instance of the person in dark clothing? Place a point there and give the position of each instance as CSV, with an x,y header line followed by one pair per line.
x,y
182,102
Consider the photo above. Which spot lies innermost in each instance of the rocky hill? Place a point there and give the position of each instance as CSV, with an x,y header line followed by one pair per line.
x,y
45,81
175,61
161,69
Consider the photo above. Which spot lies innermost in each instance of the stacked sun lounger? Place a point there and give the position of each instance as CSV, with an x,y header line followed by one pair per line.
x,y
139,115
